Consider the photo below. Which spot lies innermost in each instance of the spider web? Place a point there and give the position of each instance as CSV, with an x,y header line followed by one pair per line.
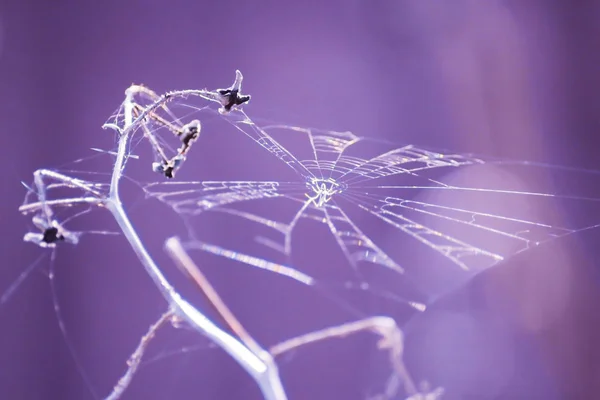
x,y
370,196
378,228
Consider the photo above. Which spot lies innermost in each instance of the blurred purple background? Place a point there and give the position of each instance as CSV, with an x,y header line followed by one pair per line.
x,y
517,79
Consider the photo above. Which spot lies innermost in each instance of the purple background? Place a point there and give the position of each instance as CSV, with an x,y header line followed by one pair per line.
x,y
516,79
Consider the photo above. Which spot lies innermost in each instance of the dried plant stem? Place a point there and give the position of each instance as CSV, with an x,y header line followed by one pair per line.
x,y
136,358
391,340
259,365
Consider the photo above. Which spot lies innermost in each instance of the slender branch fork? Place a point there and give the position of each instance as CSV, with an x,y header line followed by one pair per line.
x,y
260,366
257,361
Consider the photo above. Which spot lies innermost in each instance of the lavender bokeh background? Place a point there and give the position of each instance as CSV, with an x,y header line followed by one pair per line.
x,y
516,79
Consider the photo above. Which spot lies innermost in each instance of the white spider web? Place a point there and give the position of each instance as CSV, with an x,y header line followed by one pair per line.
x,y
328,210
367,194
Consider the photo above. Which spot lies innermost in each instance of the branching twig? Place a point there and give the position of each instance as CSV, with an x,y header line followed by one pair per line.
x,y
253,358
391,340
183,261
258,362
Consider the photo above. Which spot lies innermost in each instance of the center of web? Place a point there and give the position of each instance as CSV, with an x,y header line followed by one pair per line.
x,y
322,190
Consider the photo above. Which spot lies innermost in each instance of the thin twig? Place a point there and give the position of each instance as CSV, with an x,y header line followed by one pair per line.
x,y
136,358
258,362
391,340
188,266
260,366
369,324
68,202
